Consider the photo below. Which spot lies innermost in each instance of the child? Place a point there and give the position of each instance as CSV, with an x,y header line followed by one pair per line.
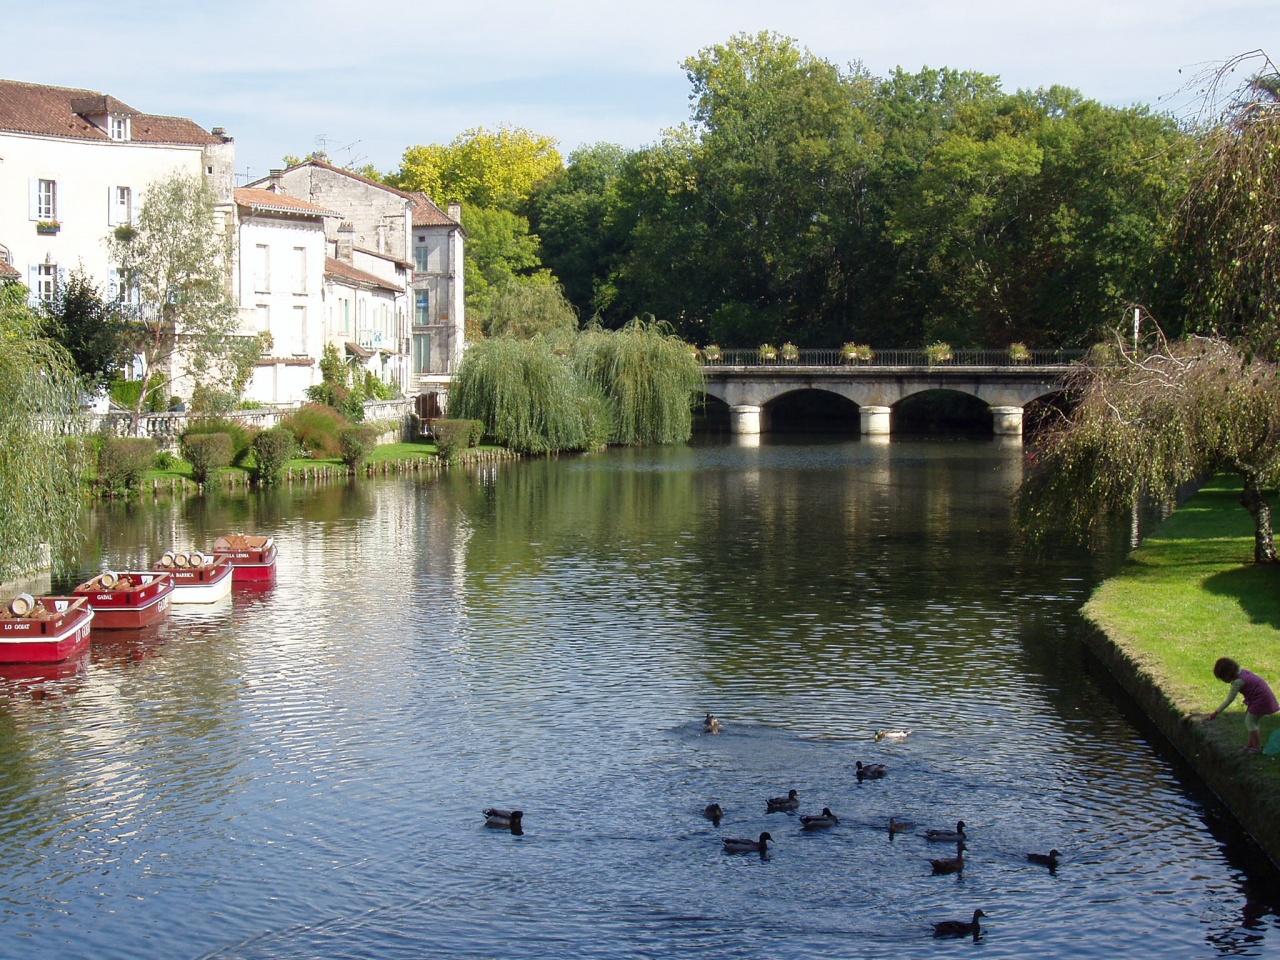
x,y
1259,701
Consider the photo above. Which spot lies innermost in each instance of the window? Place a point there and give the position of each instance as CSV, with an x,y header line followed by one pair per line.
x,y
45,286
44,200
300,270
120,206
119,128
299,330
421,259
261,268
422,308
422,352
346,316
264,318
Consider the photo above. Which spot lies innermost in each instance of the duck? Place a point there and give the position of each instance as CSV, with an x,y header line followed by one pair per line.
x,y
871,771
499,819
959,928
741,845
950,864
711,724
1049,859
819,821
892,735
946,836
897,826
785,804
713,812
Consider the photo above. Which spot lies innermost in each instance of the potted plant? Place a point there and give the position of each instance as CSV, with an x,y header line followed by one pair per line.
x,y
1018,353
768,353
790,353
711,353
48,226
938,352
857,353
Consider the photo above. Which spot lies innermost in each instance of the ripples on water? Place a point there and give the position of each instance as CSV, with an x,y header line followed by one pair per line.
x,y
300,773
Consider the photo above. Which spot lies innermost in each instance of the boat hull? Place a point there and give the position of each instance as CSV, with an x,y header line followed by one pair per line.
x,y
254,558
207,584
144,602
60,634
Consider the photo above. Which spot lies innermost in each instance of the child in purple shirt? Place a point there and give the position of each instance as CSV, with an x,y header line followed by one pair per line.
x,y
1259,701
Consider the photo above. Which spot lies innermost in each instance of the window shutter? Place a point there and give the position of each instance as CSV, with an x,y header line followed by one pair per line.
x,y
112,220
33,207
113,285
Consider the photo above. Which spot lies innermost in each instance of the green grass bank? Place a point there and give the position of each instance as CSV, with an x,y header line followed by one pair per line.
x,y
1187,595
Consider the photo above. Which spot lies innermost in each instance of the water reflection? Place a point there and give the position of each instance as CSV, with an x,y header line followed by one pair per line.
x,y
301,772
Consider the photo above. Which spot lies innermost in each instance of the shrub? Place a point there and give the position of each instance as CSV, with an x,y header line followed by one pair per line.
x,y
122,461
790,352
316,428
125,393
938,352
165,460
768,352
712,353
272,449
357,443
241,435
207,453
452,437
1018,353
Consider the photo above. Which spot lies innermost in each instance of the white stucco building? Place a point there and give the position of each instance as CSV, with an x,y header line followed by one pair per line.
x,y
74,164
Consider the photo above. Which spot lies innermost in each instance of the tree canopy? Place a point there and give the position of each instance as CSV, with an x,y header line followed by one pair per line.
x,y
90,328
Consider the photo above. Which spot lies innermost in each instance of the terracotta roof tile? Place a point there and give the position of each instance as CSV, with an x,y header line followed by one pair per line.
x,y
338,268
8,272
51,111
271,202
427,214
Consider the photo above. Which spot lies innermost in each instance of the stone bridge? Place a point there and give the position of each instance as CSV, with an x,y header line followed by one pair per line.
x,y
1006,387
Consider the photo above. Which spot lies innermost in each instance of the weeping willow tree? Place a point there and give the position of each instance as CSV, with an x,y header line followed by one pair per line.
x,y
40,468
580,391
649,376
1146,423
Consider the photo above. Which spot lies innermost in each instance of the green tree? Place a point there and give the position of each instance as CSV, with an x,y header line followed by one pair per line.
x,y
176,261
1143,424
40,468
90,328
482,168
526,308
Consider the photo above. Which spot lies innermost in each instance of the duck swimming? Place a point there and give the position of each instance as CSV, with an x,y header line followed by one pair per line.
x,y
820,821
713,812
1049,859
946,836
711,724
870,771
892,735
897,826
783,804
740,845
512,820
959,928
950,864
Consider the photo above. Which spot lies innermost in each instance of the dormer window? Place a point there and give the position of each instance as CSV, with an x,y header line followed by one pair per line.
x,y
118,128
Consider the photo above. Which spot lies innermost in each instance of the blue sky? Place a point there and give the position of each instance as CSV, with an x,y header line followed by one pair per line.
x,y
367,78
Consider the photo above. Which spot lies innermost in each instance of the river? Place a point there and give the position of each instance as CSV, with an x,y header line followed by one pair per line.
x,y
299,772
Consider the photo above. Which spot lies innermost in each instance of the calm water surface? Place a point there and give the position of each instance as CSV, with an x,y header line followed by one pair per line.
x,y
299,772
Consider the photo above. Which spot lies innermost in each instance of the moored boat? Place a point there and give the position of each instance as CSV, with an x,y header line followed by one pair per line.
x,y
197,577
126,601
253,558
43,629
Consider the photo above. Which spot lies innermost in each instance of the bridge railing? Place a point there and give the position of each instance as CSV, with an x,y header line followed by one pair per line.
x,y
975,357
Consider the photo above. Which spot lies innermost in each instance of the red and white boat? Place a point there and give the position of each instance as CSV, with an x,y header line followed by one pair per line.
x,y
197,577
43,629
126,601
254,558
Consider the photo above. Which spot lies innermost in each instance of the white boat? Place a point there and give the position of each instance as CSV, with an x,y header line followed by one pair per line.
x,y
197,577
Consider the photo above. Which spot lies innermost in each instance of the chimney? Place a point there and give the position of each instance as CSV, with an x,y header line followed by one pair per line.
x,y
455,212
346,241
275,184
221,134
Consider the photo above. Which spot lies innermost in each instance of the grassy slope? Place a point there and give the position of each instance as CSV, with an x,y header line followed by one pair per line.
x,y
1190,594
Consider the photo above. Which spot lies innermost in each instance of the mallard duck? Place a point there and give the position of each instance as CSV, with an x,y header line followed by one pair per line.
x,y
950,864
711,724
870,771
783,804
819,821
713,812
899,826
512,820
946,836
959,928
892,734
740,845
1049,859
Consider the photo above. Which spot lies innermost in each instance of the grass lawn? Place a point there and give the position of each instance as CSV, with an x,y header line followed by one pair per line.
x,y
1191,593
181,470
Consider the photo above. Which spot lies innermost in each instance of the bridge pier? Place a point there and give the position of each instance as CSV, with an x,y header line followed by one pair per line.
x,y
1006,421
875,421
745,419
